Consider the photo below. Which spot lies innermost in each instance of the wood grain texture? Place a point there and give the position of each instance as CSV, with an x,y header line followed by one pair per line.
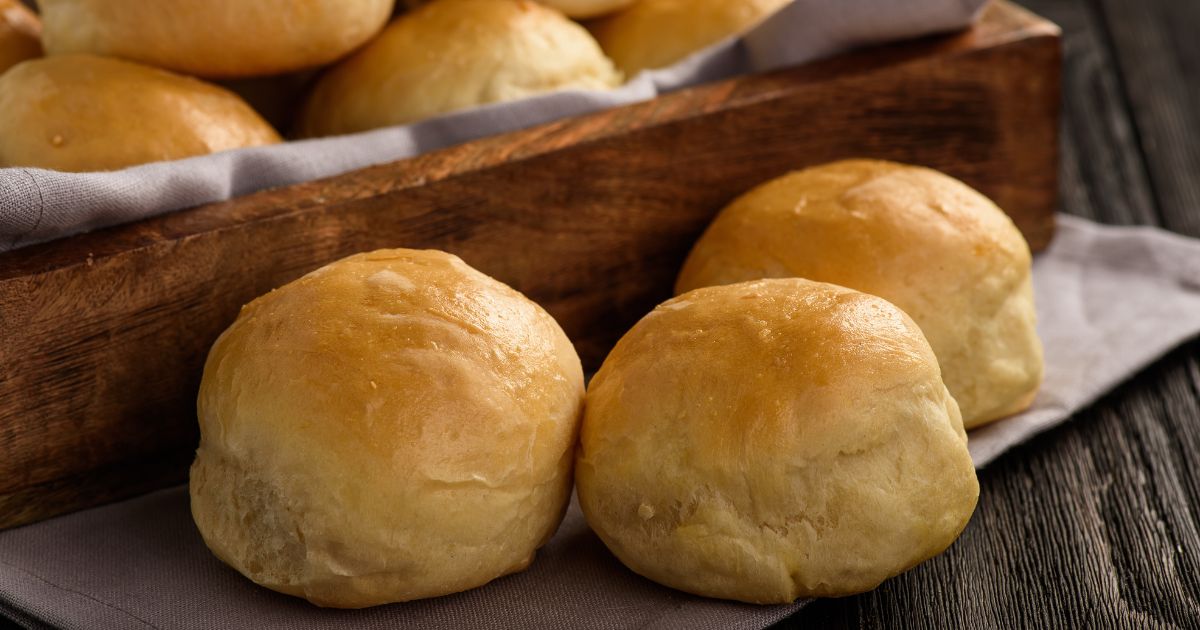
x,y
1095,524
591,217
1158,63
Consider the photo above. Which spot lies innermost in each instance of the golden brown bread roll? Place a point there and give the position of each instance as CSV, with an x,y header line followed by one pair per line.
x,y
392,426
454,54
771,440
656,33
583,9
20,32
86,113
920,239
574,8
214,38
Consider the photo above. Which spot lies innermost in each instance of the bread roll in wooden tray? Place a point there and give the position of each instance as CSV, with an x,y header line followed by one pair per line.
x,y
105,334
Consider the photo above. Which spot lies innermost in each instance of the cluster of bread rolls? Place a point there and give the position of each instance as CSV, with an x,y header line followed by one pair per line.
x,y
926,242
397,425
314,68
792,424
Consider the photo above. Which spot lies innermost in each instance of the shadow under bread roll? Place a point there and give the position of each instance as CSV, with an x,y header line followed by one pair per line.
x,y
216,39
20,33
922,240
392,426
450,55
277,98
772,440
653,34
87,113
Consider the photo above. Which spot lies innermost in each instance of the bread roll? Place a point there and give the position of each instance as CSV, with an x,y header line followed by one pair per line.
x,y
86,113
393,426
574,8
772,440
920,239
583,9
214,38
656,33
20,30
454,54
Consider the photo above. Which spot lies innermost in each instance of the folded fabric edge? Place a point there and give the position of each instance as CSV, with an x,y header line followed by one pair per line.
x,y
81,202
989,443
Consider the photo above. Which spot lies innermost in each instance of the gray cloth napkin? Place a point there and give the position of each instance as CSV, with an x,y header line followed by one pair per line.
x,y
38,205
1111,300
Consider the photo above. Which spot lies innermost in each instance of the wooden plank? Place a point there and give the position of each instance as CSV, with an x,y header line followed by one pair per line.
x,y
1159,65
1004,30
1094,525
591,217
1102,173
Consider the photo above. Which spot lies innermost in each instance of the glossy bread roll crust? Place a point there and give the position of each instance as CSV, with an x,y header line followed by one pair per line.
x,y
392,426
924,241
454,54
214,38
86,113
584,9
20,30
772,440
579,9
657,33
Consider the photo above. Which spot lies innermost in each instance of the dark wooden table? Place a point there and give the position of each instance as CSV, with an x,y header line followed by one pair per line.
x,y
1097,523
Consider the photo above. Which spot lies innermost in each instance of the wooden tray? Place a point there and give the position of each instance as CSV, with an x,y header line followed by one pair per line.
x,y
105,334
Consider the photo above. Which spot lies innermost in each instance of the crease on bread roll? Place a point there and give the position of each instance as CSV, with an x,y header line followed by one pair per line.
x,y
88,113
578,9
653,34
772,440
407,5
393,426
450,55
20,34
216,39
584,9
922,240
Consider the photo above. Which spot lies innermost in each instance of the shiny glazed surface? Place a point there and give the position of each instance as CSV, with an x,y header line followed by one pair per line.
x,y
926,242
657,33
87,113
392,426
771,440
214,38
454,54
